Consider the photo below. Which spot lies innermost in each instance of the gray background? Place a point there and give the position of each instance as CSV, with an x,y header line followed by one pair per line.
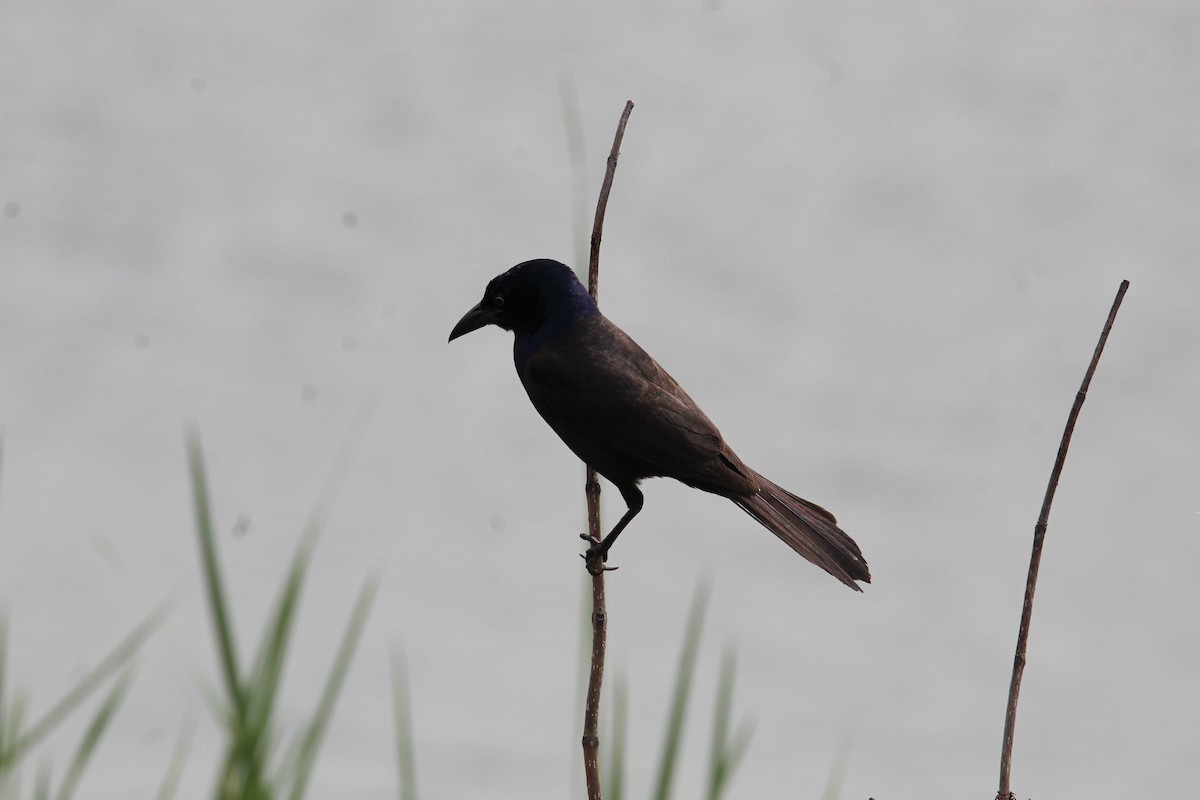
x,y
876,241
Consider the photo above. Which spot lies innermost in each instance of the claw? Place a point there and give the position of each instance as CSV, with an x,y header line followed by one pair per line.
x,y
595,566
595,556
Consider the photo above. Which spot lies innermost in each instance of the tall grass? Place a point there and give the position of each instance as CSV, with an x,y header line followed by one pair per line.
x,y
18,739
252,767
261,760
406,762
726,748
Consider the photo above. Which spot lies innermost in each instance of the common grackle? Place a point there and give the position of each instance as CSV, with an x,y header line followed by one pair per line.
x,y
622,414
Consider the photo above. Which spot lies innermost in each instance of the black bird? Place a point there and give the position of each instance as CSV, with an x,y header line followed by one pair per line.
x,y
623,415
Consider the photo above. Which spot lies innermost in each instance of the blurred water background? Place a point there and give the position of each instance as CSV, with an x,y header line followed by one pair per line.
x,y
876,241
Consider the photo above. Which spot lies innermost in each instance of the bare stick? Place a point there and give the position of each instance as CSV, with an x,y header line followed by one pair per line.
x,y
591,714
1039,534
602,204
591,711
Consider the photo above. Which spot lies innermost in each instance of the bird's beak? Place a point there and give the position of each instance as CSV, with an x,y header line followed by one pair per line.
x,y
473,320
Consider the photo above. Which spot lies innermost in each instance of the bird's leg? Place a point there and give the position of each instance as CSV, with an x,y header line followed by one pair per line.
x,y
597,554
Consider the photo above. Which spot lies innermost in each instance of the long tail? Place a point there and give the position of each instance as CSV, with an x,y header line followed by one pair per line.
x,y
809,530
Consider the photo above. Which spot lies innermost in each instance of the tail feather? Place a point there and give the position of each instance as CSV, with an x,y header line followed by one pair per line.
x,y
809,530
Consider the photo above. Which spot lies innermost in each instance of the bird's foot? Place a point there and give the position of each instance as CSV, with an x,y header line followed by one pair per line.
x,y
595,556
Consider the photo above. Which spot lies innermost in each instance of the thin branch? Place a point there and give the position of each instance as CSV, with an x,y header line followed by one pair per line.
x,y
591,714
1039,534
602,204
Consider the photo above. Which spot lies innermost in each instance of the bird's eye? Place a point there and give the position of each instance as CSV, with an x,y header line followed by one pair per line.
x,y
498,301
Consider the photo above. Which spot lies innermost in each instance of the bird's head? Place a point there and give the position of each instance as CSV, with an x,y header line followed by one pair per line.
x,y
527,297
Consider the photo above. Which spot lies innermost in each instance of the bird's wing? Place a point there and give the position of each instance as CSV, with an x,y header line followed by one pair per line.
x,y
625,415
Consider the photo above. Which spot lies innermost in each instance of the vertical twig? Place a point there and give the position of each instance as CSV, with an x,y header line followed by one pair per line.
x,y
602,204
1039,534
591,714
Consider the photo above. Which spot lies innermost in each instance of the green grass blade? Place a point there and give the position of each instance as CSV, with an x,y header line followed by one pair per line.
x,y
837,772
577,158
11,719
718,773
268,671
255,735
214,583
315,731
93,734
243,772
725,752
340,468
6,730
170,782
10,783
615,743
116,659
249,713
737,748
673,740
582,672
266,677
41,783
406,762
